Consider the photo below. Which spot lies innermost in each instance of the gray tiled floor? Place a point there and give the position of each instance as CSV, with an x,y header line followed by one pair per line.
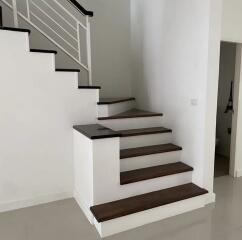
x,y
64,221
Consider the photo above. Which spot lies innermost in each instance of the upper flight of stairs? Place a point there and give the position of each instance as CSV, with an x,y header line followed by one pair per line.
x,y
149,182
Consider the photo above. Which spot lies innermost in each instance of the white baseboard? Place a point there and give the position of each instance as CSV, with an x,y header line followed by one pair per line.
x,y
14,205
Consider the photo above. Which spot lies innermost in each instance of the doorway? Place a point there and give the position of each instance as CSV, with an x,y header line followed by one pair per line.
x,y
225,108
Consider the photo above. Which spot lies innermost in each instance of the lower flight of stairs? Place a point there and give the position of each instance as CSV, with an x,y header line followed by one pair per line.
x,y
135,171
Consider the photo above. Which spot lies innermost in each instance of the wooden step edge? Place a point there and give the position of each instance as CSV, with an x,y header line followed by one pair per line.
x,y
89,87
15,29
143,174
148,150
96,131
113,101
42,51
143,131
132,205
131,116
67,70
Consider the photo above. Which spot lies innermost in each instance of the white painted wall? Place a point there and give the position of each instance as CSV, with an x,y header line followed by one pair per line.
x,y
231,21
38,108
111,51
176,58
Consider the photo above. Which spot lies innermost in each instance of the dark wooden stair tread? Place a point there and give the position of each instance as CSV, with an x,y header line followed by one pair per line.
x,y
15,29
143,131
96,131
153,172
148,150
124,207
89,87
104,101
67,70
42,51
133,113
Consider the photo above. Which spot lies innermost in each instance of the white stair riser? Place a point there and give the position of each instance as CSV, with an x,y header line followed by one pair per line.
x,y
132,221
45,60
132,123
145,140
128,164
116,108
155,184
18,42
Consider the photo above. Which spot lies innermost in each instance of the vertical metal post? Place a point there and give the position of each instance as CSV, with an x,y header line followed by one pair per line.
x,y
15,13
89,51
78,42
28,10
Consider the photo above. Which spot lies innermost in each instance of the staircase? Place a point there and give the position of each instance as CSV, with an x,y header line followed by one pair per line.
x,y
127,170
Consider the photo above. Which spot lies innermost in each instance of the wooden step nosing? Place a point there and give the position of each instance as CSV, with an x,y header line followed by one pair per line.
x,y
130,117
115,102
96,131
149,153
15,29
145,178
150,205
89,87
66,70
42,51
140,209
123,135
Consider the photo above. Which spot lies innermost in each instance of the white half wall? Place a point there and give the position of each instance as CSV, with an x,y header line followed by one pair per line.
x,y
176,58
38,108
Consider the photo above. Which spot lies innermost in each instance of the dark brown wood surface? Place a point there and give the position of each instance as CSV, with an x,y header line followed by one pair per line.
x,y
104,101
96,131
148,150
124,207
153,172
133,113
143,131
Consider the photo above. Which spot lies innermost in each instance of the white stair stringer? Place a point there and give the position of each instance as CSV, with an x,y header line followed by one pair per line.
x,y
38,108
107,110
132,123
131,221
145,161
145,140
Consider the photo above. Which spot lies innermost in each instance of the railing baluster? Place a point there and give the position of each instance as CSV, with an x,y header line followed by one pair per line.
x,y
89,52
28,9
78,41
15,13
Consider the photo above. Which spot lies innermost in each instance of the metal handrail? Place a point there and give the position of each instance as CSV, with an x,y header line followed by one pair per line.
x,y
76,51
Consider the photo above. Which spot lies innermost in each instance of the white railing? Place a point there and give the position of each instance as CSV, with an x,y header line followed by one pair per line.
x,y
68,41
